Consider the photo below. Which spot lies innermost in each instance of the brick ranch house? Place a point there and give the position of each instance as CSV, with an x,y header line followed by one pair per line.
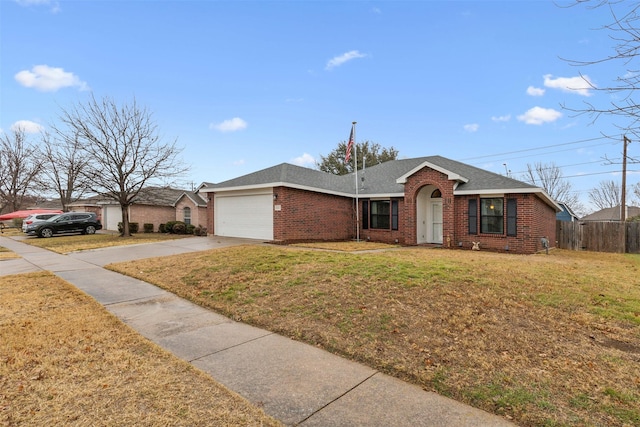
x,y
153,205
425,200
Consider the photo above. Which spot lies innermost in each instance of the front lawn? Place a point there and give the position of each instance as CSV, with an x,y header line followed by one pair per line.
x,y
542,339
70,243
65,361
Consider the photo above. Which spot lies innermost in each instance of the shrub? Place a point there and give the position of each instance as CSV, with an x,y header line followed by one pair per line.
x,y
179,228
168,227
148,228
200,231
133,227
161,229
190,228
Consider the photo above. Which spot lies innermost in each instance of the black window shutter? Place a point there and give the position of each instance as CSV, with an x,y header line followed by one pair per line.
x,y
512,215
473,216
394,214
365,214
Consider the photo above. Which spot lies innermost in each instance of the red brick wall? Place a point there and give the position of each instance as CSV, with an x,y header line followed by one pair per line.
x,y
414,184
386,236
210,205
306,215
535,219
147,214
198,214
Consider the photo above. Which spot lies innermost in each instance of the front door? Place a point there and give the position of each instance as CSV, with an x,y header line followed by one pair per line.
x,y
436,221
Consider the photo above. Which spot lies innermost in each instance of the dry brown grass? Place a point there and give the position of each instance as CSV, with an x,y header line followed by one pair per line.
x,y
7,254
346,246
72,243
544,340
65,361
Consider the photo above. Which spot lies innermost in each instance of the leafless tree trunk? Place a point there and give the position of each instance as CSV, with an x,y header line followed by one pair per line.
x,y
20,165
123,150
606,195
65,162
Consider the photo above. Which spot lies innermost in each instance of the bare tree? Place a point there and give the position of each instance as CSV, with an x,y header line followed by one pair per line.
x,y
65,162
625,32
636,193
124,149
549,177
606,194
20,165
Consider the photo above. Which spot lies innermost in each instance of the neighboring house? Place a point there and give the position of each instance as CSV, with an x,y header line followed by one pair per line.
x,y
612,214
566,214
153,205
426,200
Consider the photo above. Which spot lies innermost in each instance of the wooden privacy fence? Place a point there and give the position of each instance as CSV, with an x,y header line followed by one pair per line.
x,y
598,236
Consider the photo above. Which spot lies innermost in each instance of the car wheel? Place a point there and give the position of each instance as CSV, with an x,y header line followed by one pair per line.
x,y
46,232
90,230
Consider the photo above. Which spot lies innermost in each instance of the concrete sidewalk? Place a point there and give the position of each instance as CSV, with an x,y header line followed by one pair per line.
x,y
295,383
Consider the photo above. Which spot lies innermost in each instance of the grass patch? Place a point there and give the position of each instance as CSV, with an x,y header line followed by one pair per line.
x,y
542,339
352,246
7,254
67,244
64,360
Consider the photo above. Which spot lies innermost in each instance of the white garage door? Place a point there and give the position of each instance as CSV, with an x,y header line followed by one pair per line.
x,y
112,215
244,215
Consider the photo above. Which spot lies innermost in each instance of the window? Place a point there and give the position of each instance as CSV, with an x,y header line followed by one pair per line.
x,y
186,212
492,216
380,214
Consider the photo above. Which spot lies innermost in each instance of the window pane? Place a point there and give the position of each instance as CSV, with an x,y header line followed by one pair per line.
x,y
491,216
380,214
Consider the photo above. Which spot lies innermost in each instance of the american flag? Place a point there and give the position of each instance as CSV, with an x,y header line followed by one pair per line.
x,y
347,158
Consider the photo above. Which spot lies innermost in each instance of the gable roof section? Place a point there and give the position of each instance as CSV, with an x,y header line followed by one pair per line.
x,y
287,175
611,214
382,180
154,196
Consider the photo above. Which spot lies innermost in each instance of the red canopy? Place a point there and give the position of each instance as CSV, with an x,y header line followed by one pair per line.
x,y
26,213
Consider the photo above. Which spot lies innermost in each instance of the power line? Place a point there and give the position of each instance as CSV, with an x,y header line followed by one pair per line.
x,y
540,148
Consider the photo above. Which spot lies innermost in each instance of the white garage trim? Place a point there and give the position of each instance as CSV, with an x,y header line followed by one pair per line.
x,y
246,214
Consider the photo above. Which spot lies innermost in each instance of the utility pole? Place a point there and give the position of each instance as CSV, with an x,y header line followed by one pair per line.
x,y
623,196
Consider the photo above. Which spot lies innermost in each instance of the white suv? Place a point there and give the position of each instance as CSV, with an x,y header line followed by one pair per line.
x,y
35,218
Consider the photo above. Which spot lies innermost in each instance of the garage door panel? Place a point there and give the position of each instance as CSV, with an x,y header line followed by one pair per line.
x,y
249,216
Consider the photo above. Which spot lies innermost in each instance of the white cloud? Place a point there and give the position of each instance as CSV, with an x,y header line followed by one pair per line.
x,y
345,57
27,126
49,79
539,115
55,6
304,160
472,127
230,125
535,91
501,118
239,162
580,85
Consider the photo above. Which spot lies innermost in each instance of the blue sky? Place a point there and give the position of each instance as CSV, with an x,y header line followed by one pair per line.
x,y
244,85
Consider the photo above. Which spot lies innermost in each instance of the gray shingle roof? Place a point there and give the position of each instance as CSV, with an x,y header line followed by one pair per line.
x,y
381,180
288,174
611,214
378,179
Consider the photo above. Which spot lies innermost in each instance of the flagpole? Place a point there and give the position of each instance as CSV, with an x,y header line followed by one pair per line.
x,y
355,160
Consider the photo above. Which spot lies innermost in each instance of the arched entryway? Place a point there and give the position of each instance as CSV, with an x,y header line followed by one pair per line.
x,y
429,215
